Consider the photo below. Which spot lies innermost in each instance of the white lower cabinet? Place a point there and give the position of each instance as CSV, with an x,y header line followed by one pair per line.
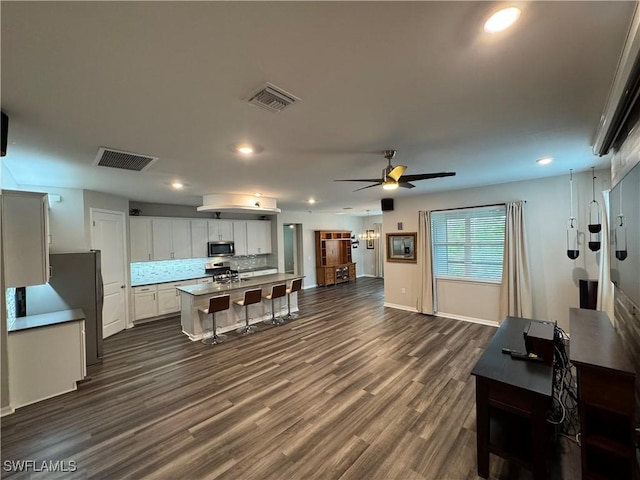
x,y
169,296
45,361
258,273
145,302
153,300
268,271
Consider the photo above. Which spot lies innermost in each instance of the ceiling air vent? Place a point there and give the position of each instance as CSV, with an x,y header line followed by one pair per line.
x,y
272,98
108,157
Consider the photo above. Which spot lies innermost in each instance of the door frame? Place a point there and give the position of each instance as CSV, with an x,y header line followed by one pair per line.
x,y
127,317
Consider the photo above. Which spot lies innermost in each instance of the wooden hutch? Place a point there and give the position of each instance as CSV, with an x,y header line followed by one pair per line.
x,y
333,257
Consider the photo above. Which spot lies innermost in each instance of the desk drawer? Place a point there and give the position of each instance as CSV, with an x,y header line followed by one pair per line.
x,y
618,394
511,399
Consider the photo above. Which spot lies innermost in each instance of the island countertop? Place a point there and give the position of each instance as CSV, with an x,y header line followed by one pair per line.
x,y
244,284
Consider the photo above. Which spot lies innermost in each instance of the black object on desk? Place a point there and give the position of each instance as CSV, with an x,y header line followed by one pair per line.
x,y
512,398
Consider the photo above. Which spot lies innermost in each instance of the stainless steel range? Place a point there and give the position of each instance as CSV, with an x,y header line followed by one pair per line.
x,y
221,272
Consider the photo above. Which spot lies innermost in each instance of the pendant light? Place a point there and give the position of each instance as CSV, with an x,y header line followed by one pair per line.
x,y
620,234
572,229
595,225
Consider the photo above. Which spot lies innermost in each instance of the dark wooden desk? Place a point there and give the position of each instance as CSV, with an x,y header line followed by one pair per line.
x,y
512,397
606,397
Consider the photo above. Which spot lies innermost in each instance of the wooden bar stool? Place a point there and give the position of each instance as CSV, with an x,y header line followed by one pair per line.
x,y
277,291
296,286
216,304
250,297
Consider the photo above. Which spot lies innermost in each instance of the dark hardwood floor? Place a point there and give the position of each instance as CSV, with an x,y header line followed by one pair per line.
x,y
350,390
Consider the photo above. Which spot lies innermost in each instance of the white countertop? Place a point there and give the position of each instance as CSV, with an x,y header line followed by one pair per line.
x,y
244,284
46,319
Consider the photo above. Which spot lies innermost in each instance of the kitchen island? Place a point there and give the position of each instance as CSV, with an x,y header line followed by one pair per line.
x,y
194,297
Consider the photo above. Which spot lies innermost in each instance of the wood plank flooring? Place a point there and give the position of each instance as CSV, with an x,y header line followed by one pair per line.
x,y
350,390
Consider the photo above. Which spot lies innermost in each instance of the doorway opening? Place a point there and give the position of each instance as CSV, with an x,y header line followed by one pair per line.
x,y
293,254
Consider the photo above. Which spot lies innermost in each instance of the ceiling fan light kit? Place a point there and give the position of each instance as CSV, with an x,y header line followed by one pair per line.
x,y
393,177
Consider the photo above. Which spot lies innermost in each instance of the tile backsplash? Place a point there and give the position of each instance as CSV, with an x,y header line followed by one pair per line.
x,y
248,262
146,273
10,299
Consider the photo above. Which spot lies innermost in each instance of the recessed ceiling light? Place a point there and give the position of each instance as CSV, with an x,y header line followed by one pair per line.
x,y
312,200
177,185
544,161
258,194
502,19
246,148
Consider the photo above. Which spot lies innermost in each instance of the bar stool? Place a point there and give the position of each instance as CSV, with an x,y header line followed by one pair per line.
x,y
296,286
277,291
216,304
250,297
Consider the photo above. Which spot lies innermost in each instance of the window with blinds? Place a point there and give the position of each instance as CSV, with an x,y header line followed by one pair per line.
x,y
468,243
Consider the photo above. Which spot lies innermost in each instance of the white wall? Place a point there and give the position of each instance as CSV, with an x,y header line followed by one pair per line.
x,y
554,276
310,223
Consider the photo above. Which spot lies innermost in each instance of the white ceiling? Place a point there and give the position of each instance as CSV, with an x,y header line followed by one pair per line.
x,y
168,79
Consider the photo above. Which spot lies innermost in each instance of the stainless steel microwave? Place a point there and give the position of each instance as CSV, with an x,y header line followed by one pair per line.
x,y
221,249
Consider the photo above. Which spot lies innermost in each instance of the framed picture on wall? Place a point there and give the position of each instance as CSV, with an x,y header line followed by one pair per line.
x,y
401,247
370,234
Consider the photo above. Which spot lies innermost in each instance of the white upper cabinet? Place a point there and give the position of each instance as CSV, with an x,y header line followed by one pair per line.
x,y
140,233
220,230
25,238
181,238
171,238
165,238
258,237
240,237
199,238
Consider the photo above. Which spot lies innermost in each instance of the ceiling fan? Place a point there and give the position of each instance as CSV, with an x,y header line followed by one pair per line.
x,y
392,177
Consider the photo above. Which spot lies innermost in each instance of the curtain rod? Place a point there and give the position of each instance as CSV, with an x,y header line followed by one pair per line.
x,y
474,206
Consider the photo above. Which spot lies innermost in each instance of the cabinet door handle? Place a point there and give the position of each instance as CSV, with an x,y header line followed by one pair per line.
x,y
154,296
149,256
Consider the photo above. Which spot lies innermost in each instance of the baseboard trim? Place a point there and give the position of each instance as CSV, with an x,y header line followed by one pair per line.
x,y
400,307
462,318
8,410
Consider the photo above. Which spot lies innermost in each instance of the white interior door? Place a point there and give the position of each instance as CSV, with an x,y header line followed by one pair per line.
x,y
107,235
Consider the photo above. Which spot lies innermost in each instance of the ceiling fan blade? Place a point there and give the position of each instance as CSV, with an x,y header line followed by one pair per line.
x,y
370,180
397,172
426,176
406,185
368,186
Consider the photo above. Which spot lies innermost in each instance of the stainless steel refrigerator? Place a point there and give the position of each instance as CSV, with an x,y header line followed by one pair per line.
x,y
77,278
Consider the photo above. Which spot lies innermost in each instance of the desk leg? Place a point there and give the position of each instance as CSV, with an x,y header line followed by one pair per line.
x,y
482,427
540,439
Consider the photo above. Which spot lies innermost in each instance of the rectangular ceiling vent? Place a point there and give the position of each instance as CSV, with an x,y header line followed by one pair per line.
x,y
107,157
272,98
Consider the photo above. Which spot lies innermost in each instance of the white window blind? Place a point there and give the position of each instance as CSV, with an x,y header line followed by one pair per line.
x,y
468,243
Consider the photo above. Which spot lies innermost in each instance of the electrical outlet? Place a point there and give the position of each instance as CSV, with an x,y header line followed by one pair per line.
x,y
403,290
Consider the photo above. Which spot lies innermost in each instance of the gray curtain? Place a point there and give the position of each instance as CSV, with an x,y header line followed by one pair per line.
x,y
425,293
605,286
515,292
